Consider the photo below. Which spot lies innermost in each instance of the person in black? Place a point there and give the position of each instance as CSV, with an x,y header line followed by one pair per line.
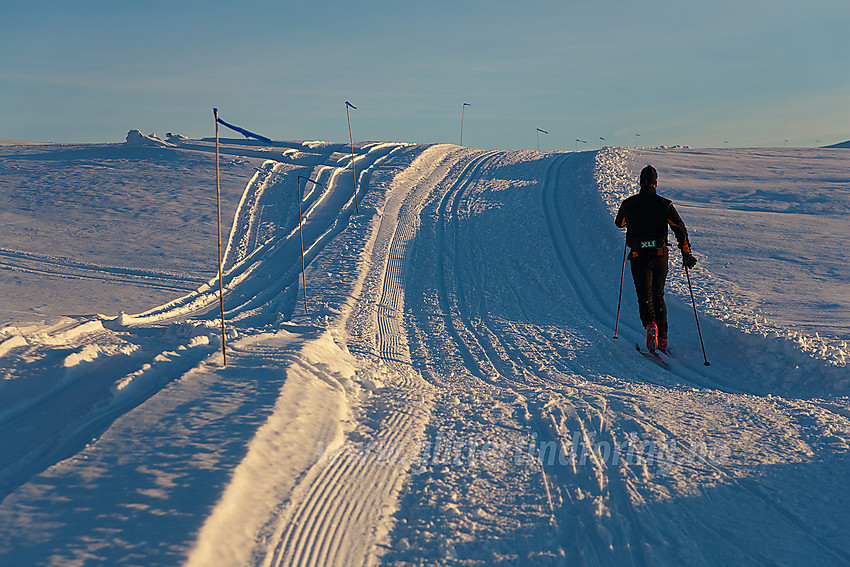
x,y
647,217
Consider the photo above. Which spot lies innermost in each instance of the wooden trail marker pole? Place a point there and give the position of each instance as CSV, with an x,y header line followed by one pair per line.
x,y
462,110
538,137
353,167
218,204
301,230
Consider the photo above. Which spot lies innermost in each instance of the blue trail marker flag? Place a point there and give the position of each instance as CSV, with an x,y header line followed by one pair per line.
x,y
243,131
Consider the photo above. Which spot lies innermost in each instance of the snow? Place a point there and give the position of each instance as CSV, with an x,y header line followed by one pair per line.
x,y
787,207
446,390
136,138
840,145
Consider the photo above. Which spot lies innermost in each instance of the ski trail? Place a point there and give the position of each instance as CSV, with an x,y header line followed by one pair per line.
x,y
450,291
575,494
565,225
339,510
94,371
469,302
260,267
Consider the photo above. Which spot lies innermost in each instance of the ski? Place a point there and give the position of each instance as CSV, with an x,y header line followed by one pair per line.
x,y
652,355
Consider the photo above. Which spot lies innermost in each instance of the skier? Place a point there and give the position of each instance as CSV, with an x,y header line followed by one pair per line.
x,y
646,217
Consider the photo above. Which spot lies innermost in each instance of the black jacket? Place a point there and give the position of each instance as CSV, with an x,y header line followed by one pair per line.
x,y
647,217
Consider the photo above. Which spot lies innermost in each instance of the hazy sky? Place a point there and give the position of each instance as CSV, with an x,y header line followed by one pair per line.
x,y
750,72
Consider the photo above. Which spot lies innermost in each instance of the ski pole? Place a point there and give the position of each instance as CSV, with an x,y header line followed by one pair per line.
x,y
694,303
620,298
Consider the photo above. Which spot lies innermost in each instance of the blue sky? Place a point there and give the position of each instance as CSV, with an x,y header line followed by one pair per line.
x,y
750,72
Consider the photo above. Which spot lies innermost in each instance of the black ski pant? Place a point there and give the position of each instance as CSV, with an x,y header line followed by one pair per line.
x,y
649,274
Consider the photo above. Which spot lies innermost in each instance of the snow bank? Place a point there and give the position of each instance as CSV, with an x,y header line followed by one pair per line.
x,y
316,144
11,343
137,139
161,369
67,331
175,138
87,354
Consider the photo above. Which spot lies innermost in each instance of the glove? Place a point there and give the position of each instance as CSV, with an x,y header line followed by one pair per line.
x,y
688,260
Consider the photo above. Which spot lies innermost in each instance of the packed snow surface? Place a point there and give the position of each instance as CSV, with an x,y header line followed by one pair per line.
x,y
446,388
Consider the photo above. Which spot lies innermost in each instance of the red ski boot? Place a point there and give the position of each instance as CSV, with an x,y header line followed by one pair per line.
x,y
651,336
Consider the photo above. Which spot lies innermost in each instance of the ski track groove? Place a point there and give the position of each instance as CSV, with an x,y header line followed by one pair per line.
x,y
499,354
580,282
563,243
460,325
65,267
448,302
103,274
350,490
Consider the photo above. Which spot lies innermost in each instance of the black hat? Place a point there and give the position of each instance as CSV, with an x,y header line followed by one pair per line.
x,y
648,176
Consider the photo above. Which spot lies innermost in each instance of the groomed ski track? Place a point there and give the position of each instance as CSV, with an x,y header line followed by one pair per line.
x,y
448,397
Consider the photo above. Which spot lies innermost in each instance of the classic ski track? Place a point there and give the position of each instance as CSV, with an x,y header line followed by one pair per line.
x,y
244,237
498,352
582,284
487,364
453,318
339,503
620,546
203,302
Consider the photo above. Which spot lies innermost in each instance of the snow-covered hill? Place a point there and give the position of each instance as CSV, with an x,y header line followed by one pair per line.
x,y
446,390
